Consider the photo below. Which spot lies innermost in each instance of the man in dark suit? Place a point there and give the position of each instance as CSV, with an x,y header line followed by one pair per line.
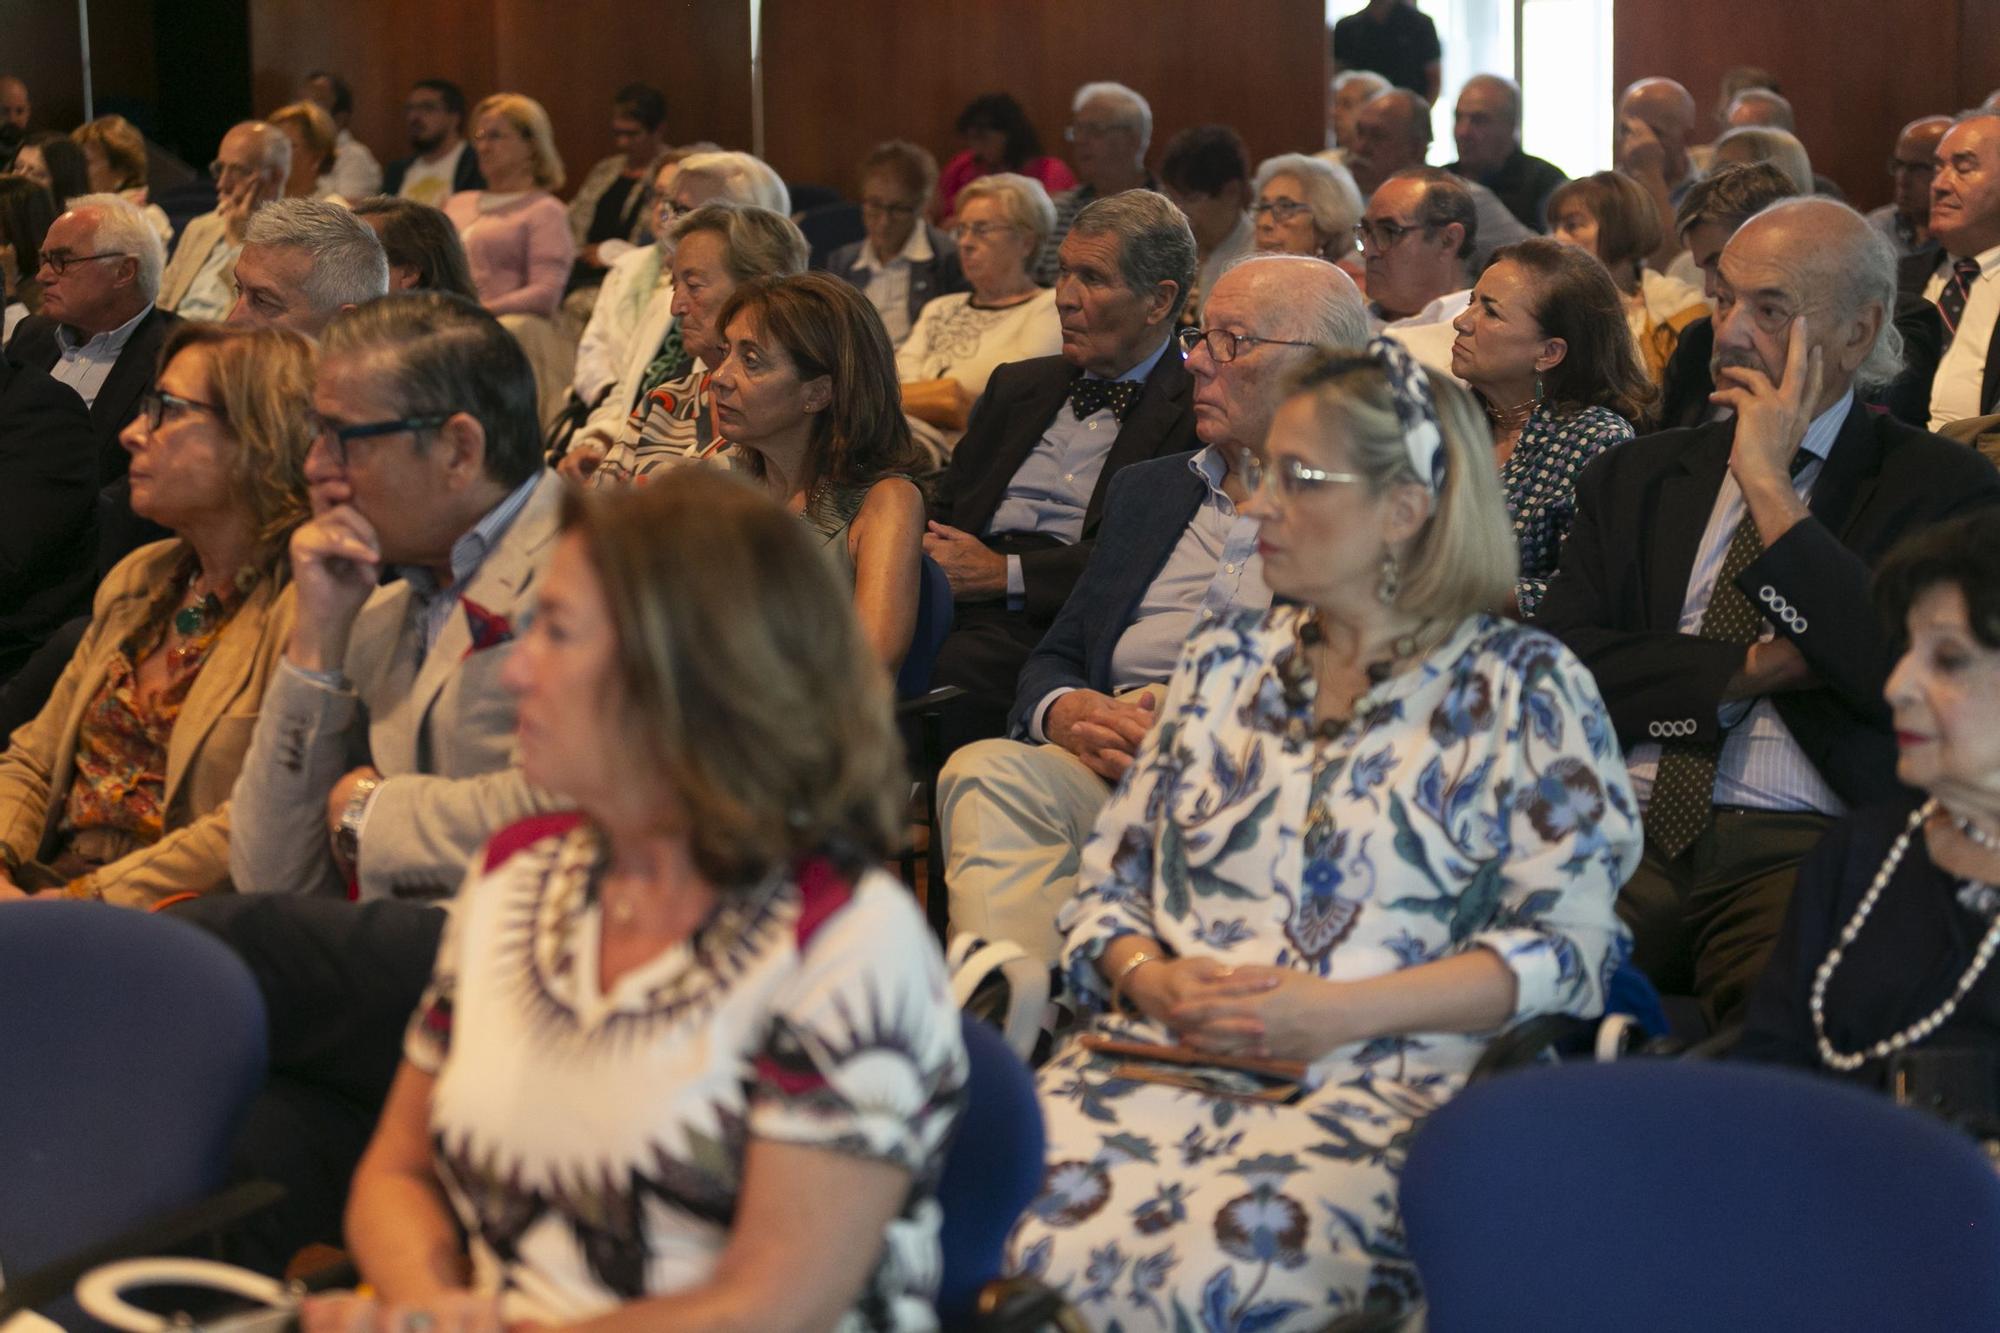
x,y
99,331
46,509
1020,502
442,162
1716,583
903,262
1174,555
1963,282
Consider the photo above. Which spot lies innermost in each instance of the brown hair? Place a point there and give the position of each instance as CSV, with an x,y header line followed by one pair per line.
x,y
1576,300
124,148
1628,223
259,377
913,166
743,675
828,327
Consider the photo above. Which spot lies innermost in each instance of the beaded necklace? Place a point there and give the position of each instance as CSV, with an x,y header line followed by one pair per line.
x,y
1294,673
1930,1022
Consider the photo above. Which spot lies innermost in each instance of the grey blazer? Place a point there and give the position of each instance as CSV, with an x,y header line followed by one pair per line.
x,y
441,732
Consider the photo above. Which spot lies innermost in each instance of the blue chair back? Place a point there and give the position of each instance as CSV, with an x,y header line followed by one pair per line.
x,y
130,1046
1632,992
1655,1195
934,619
991,1174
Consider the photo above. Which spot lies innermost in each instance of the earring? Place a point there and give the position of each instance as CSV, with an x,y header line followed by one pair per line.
x,y
1391,581
1538,386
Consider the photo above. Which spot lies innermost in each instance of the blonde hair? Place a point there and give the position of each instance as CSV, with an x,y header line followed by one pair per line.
x,y
258,377
314,127
742,674
1464,560
526,115
124,148
1022,198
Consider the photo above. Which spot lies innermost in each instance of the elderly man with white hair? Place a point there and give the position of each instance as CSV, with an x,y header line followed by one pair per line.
x,y
249,170
303,262
1175,553
1109,130
100,329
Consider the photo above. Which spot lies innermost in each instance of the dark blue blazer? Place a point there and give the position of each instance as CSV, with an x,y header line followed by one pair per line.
x,y
939,277
1147,508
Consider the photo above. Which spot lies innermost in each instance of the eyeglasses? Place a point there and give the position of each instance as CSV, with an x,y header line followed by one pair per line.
x,y
497,136
888,210
219,170
154,404
1225,346
1085,129
669,211
1288,476
338,438
1281,210
58,262
980,231
1384,234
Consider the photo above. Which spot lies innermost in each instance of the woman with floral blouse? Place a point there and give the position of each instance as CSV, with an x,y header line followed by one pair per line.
x,y
1372,828
1544,347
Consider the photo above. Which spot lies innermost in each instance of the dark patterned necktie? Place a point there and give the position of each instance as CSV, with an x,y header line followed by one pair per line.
x,y
1957,288
1683,800
1088,397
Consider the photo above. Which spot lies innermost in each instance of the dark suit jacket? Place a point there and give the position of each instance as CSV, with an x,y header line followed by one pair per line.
x,y
49,460
1020,401
1148,507
34,342
465,177
1640,512
1913,272
1523,183
938,277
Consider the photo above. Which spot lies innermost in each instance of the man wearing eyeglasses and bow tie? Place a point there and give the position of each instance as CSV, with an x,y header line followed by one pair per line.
x,y
1020,502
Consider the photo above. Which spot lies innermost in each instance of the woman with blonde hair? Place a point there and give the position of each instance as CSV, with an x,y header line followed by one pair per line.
x,y
688,1058
120,788
314,138
114,160
1371,828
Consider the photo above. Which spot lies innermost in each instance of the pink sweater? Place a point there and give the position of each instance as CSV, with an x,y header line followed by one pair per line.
x,y
520,254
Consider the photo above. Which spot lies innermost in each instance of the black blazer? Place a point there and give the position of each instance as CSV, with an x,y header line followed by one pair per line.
x,y
464,177
1148,507
1913,273
1640,512
1020,401
34,342
940,276
49,457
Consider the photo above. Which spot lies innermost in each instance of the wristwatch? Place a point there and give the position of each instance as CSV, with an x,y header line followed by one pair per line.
x,y
347,835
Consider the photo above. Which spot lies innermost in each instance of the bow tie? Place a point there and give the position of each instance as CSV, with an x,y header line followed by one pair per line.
x,y
1088,396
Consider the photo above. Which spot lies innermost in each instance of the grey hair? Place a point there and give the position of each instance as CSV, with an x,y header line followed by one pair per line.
x,y
1781,108
761,243
1022,198
1138,112
1446,200
122,229
1781,148
1505,85
1155,243
1316,302
1329,189
743,177
1375,82
1855,265
349,266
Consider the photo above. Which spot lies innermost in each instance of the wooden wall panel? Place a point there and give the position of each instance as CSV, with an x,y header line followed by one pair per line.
x,y
39,42
839,78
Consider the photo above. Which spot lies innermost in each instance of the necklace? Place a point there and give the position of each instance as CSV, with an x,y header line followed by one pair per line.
x,y
1509,419
1294,672
1974,834
1930,1022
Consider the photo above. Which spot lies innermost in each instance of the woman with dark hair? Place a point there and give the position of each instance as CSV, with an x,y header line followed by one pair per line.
x,y
1610,215
608,215
423,248
688,1058
56,164
998,137
807,396
1543,345
26,210
1881,972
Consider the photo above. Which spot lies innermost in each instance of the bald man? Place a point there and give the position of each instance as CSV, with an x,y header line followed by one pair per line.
x,y
1716,581
1392,133
1486,125
1906,219
1656,119
249,171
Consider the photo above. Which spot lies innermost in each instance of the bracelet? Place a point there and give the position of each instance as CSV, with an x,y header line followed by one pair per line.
x,y
1138,959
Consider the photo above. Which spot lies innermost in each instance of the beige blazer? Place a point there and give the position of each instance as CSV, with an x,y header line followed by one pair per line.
x,y
209,738
198,239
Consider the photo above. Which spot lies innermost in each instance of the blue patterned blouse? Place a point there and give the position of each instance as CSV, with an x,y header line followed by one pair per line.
x,y
1540,482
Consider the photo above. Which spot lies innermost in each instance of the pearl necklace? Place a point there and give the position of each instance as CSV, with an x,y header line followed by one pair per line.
x,y
1974,834
1930,1022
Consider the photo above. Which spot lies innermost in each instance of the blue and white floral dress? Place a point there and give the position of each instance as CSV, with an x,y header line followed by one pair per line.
x,y
1478,800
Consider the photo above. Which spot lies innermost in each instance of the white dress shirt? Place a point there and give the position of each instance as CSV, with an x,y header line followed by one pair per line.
x,y
1962,369
888,285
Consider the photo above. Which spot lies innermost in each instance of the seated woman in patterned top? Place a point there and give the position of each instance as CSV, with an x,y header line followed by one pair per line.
x,y
807,397
1544,347
1371,828
689,1058
119,788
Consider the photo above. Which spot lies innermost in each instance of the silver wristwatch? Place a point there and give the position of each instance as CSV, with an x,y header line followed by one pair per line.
x,y
347,836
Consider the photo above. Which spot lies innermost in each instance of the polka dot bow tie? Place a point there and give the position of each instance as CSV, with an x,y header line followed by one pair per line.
x,y
1088,397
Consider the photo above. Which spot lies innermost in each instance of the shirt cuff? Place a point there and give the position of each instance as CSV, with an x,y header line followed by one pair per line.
x,y
1038,719
1017,586
332,681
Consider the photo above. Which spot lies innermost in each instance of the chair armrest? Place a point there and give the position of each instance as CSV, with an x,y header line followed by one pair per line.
x,y
929,703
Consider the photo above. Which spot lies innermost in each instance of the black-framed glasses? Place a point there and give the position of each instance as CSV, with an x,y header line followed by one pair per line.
x,y
58,263
888,210
154,404
1383,234
1224,346
338,438
1281,210
1288,477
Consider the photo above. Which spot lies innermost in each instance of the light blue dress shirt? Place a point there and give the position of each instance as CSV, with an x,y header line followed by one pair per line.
x,y
86,365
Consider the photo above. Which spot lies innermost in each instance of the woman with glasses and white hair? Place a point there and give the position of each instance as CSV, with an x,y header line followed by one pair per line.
x,y
1373,826
1001,223
1308,206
